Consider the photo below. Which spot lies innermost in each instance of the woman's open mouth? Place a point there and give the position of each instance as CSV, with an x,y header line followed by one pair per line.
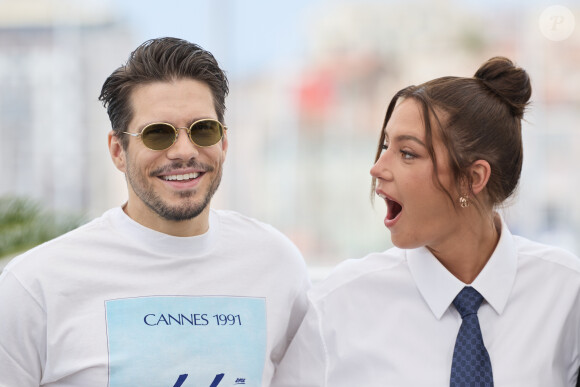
x,y
394,209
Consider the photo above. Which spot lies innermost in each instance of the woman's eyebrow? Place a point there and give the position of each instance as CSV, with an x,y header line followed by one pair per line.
x,y
406,137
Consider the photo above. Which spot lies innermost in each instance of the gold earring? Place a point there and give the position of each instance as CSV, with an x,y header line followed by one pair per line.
x,y
464,201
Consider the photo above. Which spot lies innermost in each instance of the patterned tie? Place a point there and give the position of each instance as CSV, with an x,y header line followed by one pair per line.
x,y
471,365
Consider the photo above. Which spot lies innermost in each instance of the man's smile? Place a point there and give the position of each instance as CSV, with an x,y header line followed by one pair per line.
x,y
187,176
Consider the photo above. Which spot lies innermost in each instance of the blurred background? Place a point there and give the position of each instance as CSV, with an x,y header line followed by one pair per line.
x,y
310,82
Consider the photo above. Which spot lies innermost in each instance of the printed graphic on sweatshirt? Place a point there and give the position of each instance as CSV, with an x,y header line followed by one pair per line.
x,y
186,341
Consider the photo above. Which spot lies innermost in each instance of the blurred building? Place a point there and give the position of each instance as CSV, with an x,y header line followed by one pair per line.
x,y
314,129
303,134
54,57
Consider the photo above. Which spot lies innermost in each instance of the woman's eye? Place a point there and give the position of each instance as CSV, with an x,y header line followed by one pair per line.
x,y
407,155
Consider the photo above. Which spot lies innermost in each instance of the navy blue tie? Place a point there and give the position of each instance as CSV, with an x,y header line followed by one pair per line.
x,y
471,365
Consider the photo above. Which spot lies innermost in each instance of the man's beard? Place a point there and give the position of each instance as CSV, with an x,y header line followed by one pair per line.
x,y
179,212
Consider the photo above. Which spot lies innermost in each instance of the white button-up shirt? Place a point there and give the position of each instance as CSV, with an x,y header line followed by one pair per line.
x,y
388,320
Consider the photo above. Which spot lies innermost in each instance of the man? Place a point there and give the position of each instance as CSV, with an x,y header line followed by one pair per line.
x,y
163,291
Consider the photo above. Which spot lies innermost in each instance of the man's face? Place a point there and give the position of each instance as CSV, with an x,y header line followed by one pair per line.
x,y
177,183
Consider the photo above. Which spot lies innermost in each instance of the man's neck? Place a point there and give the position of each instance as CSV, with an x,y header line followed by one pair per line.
x,y
186,228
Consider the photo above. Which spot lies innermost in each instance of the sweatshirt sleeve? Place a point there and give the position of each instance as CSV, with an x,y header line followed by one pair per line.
x,y
22,327
305,361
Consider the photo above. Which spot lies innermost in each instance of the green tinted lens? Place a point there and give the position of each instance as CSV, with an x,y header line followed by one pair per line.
x,y
206,132
158,136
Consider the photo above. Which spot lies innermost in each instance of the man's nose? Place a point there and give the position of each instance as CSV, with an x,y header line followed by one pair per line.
x,y
183,148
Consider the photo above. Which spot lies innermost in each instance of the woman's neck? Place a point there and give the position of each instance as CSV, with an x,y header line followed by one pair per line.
x,y
466,254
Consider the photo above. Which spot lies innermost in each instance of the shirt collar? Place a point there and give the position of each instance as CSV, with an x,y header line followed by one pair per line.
x,y
157,242
439,287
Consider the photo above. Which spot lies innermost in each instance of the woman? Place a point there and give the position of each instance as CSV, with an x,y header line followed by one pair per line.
x,y
450,153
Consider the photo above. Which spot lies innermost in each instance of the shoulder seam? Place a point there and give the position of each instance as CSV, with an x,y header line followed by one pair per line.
x,y
323,341
358,276
555,262
9,272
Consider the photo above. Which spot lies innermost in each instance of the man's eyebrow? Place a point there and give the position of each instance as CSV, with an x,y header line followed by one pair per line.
x,y
406,137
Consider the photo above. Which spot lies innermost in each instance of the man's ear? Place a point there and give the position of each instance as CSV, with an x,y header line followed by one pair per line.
x,y
117,152
479,171
225,144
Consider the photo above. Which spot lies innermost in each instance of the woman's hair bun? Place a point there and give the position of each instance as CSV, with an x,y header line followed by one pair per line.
x,y
510,83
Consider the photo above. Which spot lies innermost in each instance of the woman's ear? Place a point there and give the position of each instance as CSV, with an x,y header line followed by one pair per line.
x,y
117,152
479,171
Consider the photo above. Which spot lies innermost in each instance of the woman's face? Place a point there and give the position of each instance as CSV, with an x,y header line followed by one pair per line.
x,y
419,213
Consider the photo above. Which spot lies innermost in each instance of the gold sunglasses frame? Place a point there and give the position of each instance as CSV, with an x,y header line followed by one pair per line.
x,y
188,130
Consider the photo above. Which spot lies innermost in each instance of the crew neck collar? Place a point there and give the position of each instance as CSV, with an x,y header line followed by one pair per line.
x,y
161,243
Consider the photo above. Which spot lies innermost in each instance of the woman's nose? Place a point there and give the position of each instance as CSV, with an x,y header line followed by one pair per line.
x,y
381,169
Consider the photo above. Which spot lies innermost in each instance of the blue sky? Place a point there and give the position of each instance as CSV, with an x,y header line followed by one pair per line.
x,y
250,34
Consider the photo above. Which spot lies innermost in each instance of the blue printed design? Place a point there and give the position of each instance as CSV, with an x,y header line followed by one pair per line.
x,y
180,380
186,341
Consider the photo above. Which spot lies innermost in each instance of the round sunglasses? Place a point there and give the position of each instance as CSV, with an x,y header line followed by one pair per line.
x,y
161,135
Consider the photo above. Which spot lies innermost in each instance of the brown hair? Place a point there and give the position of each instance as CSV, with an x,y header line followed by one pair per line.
x,y
162,59
479,119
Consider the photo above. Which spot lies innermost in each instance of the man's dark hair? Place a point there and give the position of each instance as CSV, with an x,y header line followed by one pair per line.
x,y
162,59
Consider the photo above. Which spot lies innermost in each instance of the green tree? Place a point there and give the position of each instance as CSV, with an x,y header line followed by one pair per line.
x,y
25,223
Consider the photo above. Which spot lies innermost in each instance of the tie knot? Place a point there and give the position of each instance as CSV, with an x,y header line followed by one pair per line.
x,y
467,301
